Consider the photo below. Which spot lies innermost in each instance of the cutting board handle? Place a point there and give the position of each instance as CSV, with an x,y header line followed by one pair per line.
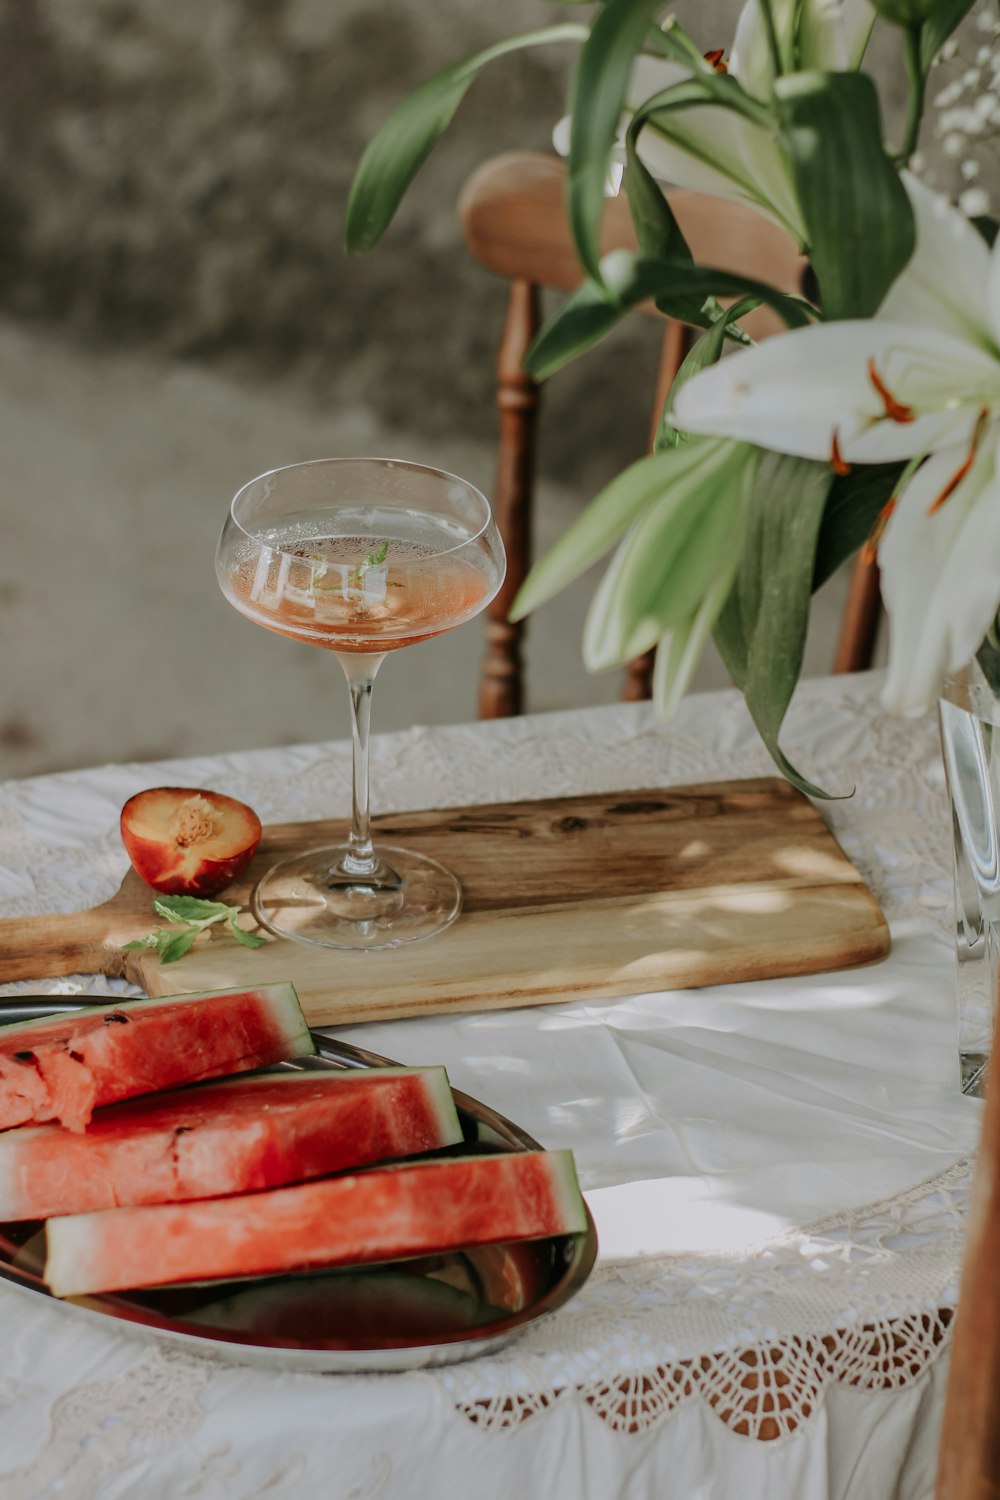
x,y
83,942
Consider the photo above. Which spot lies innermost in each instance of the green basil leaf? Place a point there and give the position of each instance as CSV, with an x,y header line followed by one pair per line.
x,y
761,631
590,312
407,138
597,98
609,516
857,214
855,503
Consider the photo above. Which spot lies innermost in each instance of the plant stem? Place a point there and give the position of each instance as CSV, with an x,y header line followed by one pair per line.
x,y
915,83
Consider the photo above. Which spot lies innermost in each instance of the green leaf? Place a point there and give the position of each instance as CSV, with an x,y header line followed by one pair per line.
x,y
246,939
177,945
761,631
590,312
858,217
987,227
855,503
673,554
597,97
945,16
659,235
905,12
609,516
678,650
407,138
988,657
706,351
191,909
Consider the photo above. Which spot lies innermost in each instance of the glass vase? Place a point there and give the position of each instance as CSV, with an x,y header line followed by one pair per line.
x,y
970,740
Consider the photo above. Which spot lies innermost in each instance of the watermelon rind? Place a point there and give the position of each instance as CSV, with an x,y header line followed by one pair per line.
x,y
62,1067
319,1223
281,996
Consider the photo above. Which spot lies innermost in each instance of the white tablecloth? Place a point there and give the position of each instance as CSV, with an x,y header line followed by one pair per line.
x,y
779,1171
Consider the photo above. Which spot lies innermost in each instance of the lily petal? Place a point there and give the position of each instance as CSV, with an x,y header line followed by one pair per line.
x,y
943,285
714,150
993,290
833,34
940,575
797,391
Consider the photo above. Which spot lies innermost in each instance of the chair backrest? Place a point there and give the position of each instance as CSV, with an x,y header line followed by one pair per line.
x,y
513,216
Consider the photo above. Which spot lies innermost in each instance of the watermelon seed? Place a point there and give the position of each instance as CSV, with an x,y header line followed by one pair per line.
x,y
24,1057
115,1016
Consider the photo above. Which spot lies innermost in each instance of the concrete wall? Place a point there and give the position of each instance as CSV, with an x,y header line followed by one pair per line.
x,y
174,176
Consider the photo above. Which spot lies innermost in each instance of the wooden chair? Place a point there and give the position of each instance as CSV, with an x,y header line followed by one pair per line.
x,y
513,217
969,1456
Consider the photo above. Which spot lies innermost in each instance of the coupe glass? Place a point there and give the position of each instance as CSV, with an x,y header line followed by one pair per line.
x,y
360,556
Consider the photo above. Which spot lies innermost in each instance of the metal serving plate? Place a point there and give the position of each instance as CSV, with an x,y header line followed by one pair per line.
x,y
403,1315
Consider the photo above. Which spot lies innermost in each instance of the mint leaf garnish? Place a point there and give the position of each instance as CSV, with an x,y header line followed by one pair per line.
x,y
191,909
375,558
191,916
247,939
178,945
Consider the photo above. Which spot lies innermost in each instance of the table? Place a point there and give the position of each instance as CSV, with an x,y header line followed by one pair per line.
x,y
779,1171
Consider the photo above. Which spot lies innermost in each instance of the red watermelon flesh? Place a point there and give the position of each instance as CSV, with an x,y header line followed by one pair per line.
x,y
64,1067
385,1213
233,1137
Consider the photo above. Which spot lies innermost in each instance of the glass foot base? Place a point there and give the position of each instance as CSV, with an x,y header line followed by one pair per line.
x,y
310,900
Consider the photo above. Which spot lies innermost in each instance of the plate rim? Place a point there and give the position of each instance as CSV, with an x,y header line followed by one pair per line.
x,y
129,1317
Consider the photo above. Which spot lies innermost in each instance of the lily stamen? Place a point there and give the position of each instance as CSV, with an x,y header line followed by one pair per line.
x,y
896,411
716,59
869,551
838,463
966,465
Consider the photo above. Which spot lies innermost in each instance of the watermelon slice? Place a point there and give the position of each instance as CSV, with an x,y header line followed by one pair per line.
x,y
232,1137
63,1067
382,1214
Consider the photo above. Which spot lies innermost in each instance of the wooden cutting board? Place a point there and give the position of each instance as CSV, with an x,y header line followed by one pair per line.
x,y
565,899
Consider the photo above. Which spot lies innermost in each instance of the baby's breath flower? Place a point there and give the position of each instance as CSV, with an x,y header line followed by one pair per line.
x,y
973,202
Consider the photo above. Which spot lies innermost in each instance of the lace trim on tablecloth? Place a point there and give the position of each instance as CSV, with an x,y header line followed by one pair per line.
x,y
739,1332
863,1300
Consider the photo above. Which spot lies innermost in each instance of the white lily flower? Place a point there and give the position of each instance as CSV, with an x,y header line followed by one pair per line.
x,y
828,35
919,381
715,150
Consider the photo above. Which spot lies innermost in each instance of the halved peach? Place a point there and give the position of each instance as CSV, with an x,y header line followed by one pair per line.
x,y
188,841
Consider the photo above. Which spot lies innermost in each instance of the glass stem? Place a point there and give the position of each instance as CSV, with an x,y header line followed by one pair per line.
x,y
360,672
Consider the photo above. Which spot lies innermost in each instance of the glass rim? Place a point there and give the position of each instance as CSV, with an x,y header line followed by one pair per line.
x,y
400,463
